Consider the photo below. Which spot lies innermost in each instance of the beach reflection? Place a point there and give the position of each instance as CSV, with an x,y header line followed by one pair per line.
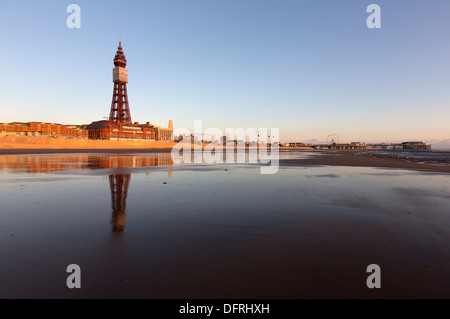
x,y
119,184
61,163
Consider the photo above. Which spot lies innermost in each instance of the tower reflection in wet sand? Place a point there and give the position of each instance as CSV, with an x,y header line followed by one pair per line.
x,y
119,190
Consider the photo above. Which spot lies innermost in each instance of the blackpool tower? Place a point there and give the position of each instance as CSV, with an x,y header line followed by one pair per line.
x,y
120,110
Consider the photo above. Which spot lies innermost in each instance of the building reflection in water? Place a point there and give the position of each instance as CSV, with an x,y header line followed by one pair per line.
x,y
51,163
118,183
119,191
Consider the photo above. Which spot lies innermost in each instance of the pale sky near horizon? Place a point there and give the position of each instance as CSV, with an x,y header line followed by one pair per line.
x,y
310,68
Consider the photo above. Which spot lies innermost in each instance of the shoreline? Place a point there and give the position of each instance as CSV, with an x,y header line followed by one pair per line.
x,y
352,159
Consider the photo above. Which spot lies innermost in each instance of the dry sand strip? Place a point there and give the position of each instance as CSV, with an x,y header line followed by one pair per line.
x,y
351,159
83,151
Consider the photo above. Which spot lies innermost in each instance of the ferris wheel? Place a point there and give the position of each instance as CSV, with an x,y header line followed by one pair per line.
x,y
333,139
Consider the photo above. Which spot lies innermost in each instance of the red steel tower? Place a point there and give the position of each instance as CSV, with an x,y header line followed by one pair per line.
x,y
120,110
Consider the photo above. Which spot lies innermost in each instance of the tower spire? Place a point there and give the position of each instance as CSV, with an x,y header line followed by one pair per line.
x,y
119,59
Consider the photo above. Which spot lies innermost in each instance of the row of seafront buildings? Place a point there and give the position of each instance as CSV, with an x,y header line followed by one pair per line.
x,y
118,127
100,130
41,129
225,141
411,146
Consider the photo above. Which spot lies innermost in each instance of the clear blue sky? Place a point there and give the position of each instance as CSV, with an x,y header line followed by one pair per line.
x,y
310,68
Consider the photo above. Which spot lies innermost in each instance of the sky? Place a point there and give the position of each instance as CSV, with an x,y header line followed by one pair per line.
x,y
309,68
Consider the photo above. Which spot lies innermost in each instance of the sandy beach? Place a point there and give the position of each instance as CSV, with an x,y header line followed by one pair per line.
x,y
34,145
358,159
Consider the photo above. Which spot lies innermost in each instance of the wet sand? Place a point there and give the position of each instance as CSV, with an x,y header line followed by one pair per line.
x,y
356,159
309,231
